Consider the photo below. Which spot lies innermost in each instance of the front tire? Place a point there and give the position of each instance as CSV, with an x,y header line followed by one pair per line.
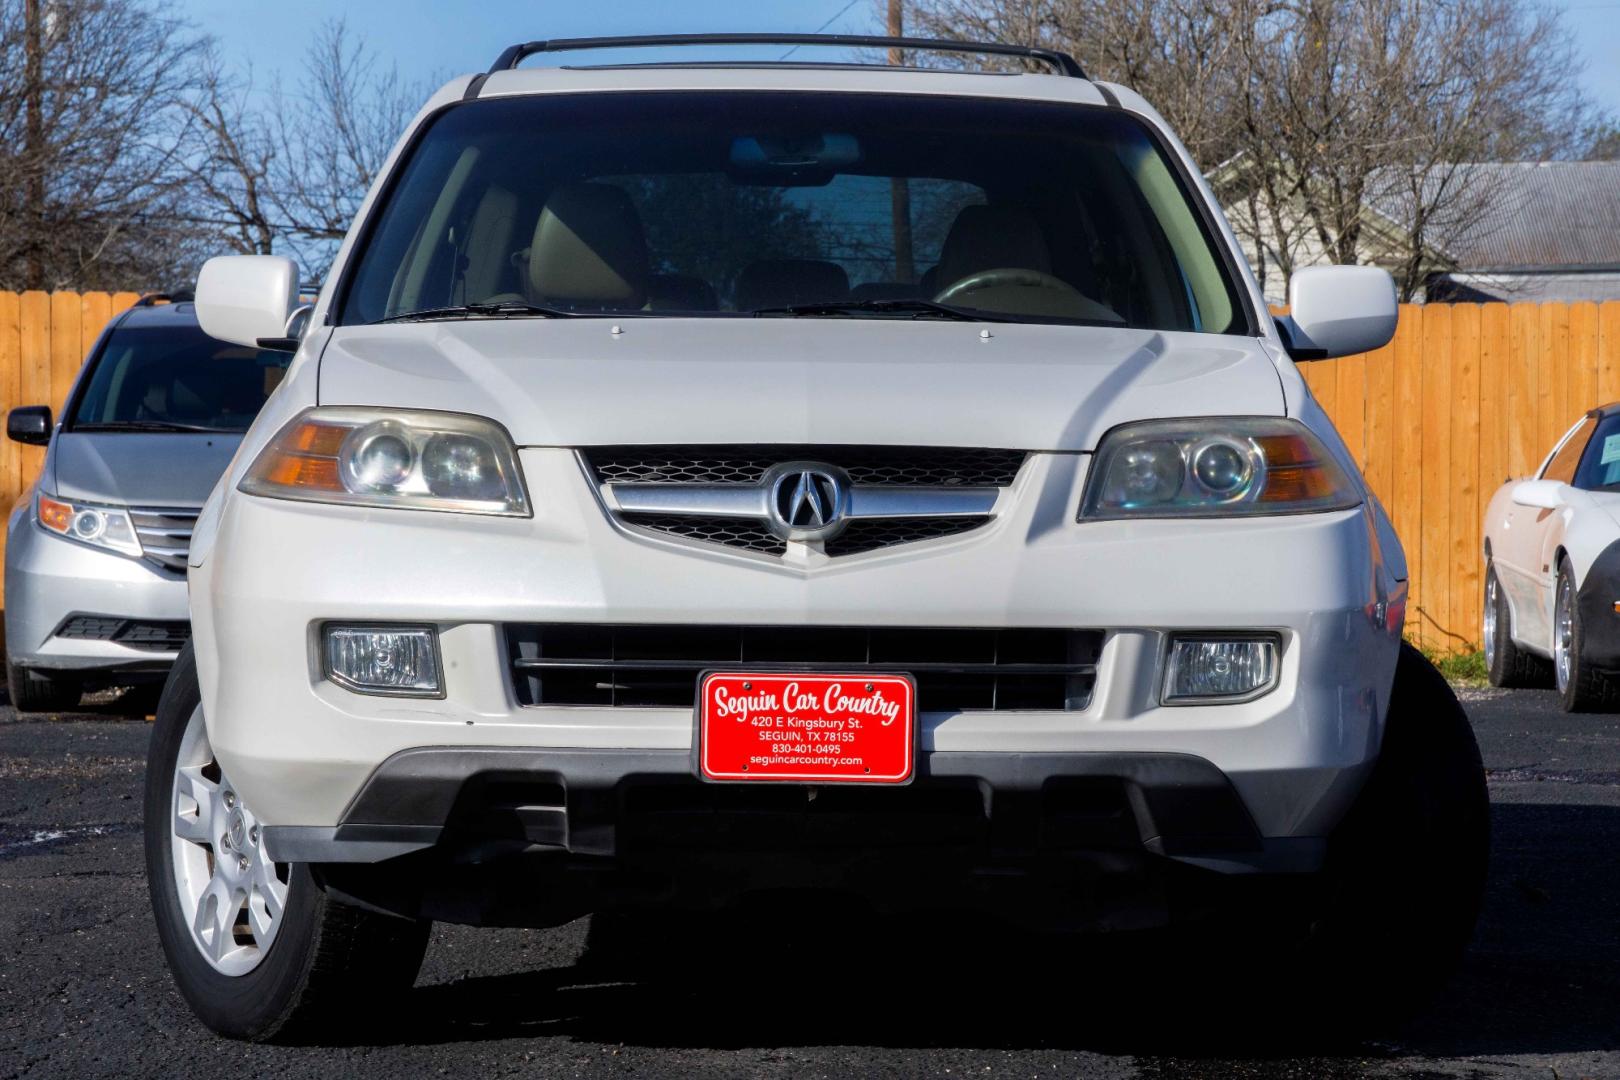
x,y
35,692
1506,664
1581,688
1406,869
257,949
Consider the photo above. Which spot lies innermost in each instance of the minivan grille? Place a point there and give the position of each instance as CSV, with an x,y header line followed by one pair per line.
x,y
165,534
658,666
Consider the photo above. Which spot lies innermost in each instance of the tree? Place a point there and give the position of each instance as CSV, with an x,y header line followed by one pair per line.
x,y
1342,128
91,129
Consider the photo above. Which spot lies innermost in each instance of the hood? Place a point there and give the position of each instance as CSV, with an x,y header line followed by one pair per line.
x,y
577,382
135,468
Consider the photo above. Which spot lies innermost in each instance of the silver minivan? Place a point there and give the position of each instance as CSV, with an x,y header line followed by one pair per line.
x,y
95,591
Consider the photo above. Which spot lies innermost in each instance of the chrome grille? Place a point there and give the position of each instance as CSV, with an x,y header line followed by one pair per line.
x,y
724,495
909,466
165,534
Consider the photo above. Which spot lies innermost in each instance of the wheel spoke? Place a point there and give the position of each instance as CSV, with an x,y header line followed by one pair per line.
x,y
216,912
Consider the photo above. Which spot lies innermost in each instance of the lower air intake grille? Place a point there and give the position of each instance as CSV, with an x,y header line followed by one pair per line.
x,y
658,666
150,634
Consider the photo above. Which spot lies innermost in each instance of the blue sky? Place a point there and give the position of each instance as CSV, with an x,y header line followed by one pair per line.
x,y
431,38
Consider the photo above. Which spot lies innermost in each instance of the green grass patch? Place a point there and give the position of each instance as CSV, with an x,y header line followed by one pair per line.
x,y
1463,669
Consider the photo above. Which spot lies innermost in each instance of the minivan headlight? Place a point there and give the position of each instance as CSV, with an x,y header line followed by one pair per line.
x,y
106,527
1214,468
395,458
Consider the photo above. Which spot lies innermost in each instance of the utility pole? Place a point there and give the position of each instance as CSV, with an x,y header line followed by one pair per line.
x,y
905,267
34,142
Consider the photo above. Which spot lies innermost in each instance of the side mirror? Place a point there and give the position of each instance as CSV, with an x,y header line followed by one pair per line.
x,y
29,424
1339,311
242,298
1540,494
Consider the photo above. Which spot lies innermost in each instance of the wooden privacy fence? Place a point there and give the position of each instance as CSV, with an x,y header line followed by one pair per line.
x,y
1466,396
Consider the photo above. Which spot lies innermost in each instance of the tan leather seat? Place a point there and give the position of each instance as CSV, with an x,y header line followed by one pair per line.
x,y
589,250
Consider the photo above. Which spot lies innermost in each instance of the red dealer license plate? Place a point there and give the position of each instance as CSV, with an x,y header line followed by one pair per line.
x,y
859,729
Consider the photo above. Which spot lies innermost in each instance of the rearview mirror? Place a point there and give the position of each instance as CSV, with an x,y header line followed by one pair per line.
x,y
29,424
242,298
1339,311
1540,494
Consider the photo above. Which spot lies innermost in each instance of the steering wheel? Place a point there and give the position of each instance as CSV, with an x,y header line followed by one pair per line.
x,y
1003,276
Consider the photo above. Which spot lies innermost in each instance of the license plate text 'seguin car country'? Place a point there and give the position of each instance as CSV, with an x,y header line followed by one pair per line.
x,y
821,728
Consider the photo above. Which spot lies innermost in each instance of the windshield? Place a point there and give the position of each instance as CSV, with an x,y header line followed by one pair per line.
x,y
175,378
790,204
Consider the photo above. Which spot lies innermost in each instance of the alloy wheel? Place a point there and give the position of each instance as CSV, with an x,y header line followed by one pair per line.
x,y
231,895
1563,633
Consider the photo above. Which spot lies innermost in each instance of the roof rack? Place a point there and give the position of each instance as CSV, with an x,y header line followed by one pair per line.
x,y
1062,62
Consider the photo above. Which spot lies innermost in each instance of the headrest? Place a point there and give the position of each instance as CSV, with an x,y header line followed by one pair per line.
x,y
589,249
779,282
990,238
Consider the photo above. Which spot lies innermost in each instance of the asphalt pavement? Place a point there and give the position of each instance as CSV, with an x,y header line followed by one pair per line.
x,y
84,992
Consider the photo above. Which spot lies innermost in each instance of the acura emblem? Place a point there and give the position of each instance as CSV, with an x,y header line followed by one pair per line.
x,y
807,500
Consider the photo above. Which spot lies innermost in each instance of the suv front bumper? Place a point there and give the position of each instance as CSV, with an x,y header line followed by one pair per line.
x,y
305,752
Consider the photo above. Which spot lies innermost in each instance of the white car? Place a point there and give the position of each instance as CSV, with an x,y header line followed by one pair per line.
x,y
1552,570
706,482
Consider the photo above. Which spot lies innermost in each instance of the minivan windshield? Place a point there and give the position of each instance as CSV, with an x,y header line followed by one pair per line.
x,y
174,378
790,205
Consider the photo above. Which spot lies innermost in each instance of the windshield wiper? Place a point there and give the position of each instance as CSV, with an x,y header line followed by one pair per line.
x,y
149,425
917,309
463,311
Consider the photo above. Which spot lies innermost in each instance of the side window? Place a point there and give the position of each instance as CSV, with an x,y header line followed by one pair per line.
x,y
1564,462
1600,465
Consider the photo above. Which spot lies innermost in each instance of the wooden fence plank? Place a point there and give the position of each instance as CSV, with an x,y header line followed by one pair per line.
x,y
1466,509
35,387
1525,449
1608,380
1435,611
1379,464
65,351
1583,359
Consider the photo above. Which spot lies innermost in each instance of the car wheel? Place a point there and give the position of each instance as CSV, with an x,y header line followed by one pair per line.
x,y
1505,663
1406,869
257,948
33,691
1581,688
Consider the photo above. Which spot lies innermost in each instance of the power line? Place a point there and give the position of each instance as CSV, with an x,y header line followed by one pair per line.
x,y
822,27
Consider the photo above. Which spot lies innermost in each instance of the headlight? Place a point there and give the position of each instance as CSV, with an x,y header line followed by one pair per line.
x,y
106,527
1214,468
386,457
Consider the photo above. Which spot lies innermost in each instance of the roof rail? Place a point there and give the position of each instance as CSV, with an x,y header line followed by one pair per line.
x,y
1062,62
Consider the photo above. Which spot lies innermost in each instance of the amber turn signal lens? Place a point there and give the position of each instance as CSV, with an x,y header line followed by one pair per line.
x,y
1293,472
54,515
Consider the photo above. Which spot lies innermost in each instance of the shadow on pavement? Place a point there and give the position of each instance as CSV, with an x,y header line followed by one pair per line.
x,y
1543,977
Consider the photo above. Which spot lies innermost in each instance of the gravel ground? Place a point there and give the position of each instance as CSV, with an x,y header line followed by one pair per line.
x,y
83,989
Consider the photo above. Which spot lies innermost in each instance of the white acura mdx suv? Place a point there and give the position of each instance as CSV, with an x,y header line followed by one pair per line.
x,y
706,482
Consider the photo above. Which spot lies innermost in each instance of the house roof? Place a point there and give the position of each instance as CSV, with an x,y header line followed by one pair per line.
x,y
1537,216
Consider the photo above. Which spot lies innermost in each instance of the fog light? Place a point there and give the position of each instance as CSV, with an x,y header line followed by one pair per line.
x,y
400,661
1224,668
